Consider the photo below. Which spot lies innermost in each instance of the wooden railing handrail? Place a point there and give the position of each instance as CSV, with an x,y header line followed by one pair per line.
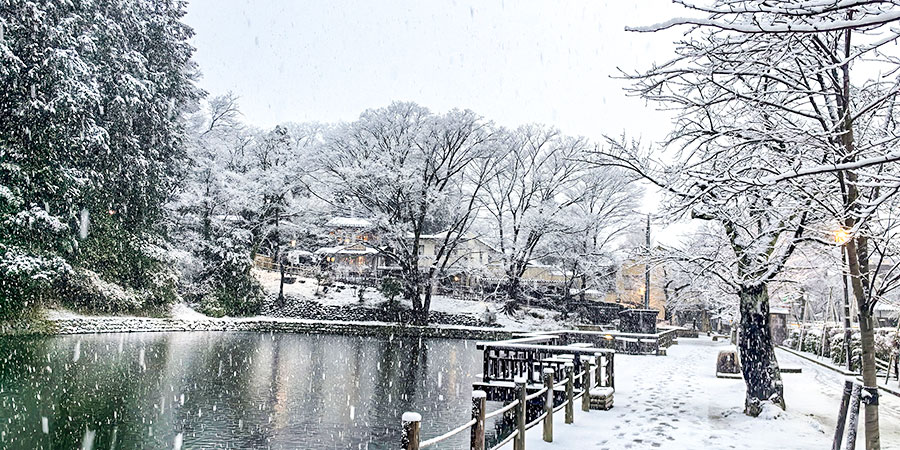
x,y
536,394
551,348
480,345
600,361
502,410
448,434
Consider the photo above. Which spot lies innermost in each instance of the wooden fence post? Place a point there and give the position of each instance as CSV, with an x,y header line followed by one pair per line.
x,y
548,405
610,370
570,392
479,403
412,423
586,385
521,393
842,416
598,358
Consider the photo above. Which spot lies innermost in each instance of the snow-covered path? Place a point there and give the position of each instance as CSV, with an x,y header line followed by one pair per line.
x,y
676,402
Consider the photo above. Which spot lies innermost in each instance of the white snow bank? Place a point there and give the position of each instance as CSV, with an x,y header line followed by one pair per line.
x,y
181,311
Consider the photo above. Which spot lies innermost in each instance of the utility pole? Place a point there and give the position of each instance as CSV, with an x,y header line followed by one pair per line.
x,y
647,269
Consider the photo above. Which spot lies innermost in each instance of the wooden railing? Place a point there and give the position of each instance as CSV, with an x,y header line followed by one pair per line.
x,y
306,271
592,374
632,343
531,357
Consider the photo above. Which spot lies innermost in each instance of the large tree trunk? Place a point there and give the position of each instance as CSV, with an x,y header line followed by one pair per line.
x,y
280,261
758,363
422,316
858,261
513,294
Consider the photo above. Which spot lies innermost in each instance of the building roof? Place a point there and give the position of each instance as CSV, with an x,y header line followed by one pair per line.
x,y
349,222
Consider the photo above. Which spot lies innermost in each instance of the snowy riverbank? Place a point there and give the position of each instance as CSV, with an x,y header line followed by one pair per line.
x,y
305,291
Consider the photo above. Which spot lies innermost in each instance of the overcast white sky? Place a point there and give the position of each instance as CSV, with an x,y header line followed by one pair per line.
x,y
511,61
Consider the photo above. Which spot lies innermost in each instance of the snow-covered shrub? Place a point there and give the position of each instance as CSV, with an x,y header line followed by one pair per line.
x,y
812,341
390,288
227,285
887,342
839,355
489,317
793,338
27,281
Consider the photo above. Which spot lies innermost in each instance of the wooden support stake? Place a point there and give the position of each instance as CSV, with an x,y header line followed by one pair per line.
x,y
842,416
548,405
412,424
570,392
479,406
853,420
519,441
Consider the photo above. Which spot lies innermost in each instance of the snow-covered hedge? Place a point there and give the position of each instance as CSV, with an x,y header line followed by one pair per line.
x,y
887,341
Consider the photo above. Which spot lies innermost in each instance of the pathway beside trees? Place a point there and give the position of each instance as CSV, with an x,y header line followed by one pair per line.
x,y
676,402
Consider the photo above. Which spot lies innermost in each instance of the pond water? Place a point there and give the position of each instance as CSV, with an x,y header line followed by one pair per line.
x,y
230,390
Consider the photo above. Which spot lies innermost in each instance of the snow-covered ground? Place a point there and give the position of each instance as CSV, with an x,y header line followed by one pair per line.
x,y
676,402
306,288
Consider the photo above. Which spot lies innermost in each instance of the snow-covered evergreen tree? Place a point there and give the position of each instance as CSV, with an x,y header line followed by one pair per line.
x,y
91,95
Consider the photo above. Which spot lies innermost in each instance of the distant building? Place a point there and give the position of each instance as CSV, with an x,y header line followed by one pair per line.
x,y
352,253
630,286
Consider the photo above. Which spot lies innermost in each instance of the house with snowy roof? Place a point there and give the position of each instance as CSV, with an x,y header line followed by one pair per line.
x,y
352,252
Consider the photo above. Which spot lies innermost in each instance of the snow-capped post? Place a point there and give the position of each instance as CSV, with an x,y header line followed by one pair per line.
x,y
479,404
521,409
548,404
583,365
586,383
412,425
570,392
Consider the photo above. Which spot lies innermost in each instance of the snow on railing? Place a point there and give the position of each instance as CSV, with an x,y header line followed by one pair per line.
x,y
412,421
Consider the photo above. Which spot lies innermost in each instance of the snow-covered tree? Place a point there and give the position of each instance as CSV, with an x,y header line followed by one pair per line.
x,y
416,175
809,74
90,148
210,220
604,211
528,198
700,274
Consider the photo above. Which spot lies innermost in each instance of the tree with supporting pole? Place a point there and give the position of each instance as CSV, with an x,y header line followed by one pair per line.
x,y
841,237
777,75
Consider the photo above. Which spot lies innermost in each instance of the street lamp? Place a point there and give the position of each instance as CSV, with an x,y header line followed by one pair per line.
x,y
841,237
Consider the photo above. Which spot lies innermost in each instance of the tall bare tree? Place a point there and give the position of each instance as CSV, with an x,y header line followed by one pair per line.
x,y
418,176
527,198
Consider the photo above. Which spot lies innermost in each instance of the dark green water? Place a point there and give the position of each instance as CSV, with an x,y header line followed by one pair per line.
x,y
230,390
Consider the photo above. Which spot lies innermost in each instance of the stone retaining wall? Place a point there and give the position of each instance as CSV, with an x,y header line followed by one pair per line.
x,y
83,325
299,308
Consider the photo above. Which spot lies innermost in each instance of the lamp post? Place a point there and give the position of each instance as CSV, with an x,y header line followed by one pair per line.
x,y
841,236
647,269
